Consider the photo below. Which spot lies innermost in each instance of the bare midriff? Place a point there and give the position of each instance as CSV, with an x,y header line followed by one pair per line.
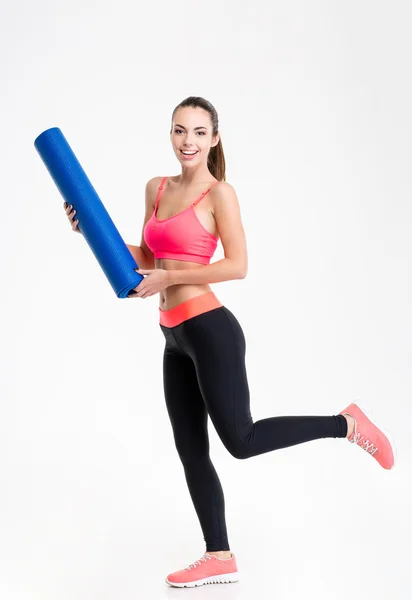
x,y
176,294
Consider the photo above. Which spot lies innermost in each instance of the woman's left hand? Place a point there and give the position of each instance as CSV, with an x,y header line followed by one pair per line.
x,y
156,280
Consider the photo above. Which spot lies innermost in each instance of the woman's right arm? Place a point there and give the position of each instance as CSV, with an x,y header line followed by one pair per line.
x,y
142,254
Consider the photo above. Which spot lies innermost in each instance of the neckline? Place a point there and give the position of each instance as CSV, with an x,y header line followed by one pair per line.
x,y
173,216
182,211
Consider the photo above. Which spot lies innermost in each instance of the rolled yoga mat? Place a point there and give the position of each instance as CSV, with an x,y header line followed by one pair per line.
x,y
95,223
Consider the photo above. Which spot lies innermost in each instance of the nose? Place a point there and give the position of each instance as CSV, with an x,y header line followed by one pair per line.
x,y
188,142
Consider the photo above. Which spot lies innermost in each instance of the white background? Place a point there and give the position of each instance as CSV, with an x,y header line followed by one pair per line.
x,y
314,106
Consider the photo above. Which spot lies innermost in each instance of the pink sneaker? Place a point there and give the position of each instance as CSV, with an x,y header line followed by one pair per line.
x,y
208,569
370,438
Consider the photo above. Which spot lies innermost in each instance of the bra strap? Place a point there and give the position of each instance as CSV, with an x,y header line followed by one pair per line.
x,y
160,191
203,194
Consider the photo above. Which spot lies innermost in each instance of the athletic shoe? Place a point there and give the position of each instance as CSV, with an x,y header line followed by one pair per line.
x,y
208,569
369,437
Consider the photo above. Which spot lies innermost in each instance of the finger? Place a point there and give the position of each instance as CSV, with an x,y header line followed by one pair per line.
x,y
135,292
68,209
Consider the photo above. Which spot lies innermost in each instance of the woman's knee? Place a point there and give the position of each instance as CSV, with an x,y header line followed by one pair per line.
x,y
235,443
237,448
192,458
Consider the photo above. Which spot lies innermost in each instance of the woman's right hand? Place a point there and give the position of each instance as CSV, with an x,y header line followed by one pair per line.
x,y
70,215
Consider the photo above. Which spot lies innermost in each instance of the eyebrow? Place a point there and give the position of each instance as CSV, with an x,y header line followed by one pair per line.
x,y
177,125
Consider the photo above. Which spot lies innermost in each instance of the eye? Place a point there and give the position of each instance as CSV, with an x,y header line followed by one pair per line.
x,y
180,131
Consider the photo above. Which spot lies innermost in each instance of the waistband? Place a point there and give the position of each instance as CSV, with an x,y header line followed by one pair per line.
x,y
188,309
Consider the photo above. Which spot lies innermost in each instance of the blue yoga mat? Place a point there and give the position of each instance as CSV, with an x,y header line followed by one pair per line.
x,y
95,223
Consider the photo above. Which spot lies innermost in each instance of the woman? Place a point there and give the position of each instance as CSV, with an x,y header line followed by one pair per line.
x,y
204,369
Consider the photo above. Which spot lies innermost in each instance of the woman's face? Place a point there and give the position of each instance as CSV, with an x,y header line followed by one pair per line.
x,y
192,132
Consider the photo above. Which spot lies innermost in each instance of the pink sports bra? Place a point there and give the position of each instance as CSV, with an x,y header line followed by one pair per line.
x,y
181,236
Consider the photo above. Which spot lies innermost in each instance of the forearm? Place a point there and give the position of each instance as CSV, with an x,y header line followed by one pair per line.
x,y
221,270
140,257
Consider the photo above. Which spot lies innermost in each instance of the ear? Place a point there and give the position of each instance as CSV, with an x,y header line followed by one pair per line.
x,y
215,140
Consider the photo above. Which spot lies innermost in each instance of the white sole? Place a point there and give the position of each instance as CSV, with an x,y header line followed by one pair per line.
x,y
370,416
226,578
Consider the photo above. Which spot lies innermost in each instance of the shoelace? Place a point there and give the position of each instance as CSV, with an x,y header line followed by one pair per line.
x,y
365,444
360,441
198,562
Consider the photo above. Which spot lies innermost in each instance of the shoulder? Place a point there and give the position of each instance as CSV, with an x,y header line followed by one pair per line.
x,y
151,189
222,188
223,196
154,182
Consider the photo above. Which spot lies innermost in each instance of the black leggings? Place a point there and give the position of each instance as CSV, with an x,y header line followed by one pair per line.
x,y
204,374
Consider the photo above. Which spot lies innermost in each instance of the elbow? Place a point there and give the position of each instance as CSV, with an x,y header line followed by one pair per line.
x,y
148,261
236,269
242,272
243,265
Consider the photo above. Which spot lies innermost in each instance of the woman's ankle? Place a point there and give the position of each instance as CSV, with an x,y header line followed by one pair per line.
x,y
221,553
351,424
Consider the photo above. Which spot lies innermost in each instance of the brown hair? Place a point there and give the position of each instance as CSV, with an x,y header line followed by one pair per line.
x,y
216,158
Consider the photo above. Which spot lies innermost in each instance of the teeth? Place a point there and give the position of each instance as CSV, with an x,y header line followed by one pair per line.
x,y
184,152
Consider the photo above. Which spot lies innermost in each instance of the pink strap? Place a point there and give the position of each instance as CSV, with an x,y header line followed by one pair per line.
x,y
160,190
203,194
194,203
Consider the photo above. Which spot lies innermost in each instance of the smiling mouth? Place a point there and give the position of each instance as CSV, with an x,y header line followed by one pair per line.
x,y
190,154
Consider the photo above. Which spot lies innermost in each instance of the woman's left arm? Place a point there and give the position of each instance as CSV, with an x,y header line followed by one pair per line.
x,y
227,214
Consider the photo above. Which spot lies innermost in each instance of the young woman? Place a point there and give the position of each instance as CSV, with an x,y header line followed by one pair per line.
x,y
204,369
